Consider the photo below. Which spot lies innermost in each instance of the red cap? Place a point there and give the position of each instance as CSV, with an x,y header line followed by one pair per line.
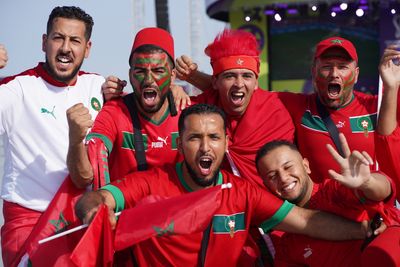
x,y
157,37
336,42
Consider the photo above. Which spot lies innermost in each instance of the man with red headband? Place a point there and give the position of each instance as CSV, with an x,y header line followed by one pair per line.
x,y
334,73
254,116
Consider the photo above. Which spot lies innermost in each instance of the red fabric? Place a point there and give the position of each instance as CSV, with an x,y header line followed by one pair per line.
x,y
184,214
388,155
236,62
383,250
56,252
333,197
96,247
116,132
97,153
18,224
312,136
244,203
155,36
58,217
265,120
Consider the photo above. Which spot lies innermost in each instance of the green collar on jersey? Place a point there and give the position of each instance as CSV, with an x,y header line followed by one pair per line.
x,y
178,168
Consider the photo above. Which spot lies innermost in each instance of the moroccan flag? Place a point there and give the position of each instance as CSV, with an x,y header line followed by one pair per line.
x,y
59,216
184,214
96,247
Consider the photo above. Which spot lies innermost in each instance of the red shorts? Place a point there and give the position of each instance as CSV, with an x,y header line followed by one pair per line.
x,y
18,224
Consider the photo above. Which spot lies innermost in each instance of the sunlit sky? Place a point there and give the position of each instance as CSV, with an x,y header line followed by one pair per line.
x,y
23,23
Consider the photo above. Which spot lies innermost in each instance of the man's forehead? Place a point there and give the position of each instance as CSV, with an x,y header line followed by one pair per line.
x,y
238,71
194,121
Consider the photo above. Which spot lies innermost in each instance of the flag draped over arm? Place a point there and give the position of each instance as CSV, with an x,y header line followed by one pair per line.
x,y
185,214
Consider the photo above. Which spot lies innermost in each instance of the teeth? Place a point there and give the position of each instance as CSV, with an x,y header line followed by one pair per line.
x,y
205,163
290,186
63,59
238,94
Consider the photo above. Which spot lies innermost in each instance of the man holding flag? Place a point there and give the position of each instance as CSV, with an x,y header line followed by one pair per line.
x,y
203,141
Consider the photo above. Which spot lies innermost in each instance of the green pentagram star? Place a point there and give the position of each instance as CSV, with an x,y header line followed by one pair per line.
x,y
336,41
60,224
169,230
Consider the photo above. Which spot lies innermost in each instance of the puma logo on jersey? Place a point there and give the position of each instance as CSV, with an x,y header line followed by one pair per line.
x,y
307,252
46,111
160,142
340,124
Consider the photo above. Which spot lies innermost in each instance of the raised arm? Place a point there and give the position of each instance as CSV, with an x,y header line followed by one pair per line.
x,y
3,56
187,70
79,167
390,74
322,225
356,174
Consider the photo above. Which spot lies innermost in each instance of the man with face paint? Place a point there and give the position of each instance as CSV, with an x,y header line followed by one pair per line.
x,y
334,73
33,120
151,74
355,193
203,141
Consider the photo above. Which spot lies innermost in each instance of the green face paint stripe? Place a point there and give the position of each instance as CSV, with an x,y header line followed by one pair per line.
x,y
164,84
150,60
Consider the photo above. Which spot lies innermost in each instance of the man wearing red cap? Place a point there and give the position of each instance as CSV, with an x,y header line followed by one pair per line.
x,y
151,74
334,73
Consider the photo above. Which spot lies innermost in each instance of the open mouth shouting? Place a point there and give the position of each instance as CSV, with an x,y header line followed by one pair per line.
x,y
63,62
237,98
334,90
205,163
150,96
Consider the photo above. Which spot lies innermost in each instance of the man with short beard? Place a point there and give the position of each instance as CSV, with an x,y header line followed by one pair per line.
x,y
203,141
33,105
151,73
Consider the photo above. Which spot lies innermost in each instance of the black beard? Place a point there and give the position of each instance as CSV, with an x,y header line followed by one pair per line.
x,y
63,79
146,109
200,181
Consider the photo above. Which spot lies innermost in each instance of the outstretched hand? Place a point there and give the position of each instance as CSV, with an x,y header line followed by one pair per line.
x,y
389,71
355,166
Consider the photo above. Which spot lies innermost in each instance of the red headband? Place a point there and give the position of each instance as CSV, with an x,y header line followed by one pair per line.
x,y
236,62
